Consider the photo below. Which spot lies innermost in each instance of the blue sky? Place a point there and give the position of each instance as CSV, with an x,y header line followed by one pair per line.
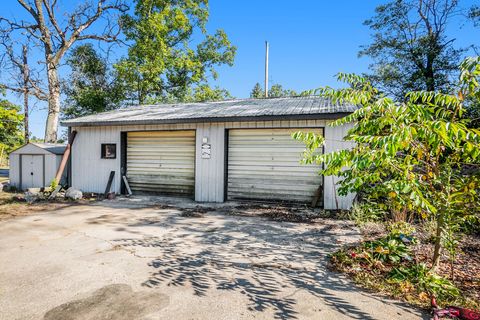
x,y
310,41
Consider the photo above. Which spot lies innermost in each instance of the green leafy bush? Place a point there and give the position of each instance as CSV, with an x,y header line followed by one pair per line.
x,y
388,250
53,184
424,280
365,212
407,153
471,225
400,228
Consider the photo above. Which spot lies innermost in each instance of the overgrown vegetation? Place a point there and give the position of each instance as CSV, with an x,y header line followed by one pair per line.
x,y
413,160
393,264
11,129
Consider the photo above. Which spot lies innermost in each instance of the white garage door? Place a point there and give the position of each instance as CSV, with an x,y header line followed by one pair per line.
x,y
161,162
263,164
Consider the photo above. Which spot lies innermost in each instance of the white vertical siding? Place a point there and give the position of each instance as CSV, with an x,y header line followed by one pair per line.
x,y
14,163
89,172
333,142
50,168
58,160
209,173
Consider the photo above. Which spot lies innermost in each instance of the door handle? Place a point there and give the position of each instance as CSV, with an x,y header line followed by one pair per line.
x,y
31,173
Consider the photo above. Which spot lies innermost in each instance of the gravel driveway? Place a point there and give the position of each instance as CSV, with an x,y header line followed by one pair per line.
x,y
127,259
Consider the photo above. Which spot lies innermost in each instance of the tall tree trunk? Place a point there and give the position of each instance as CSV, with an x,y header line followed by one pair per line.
x,y
25,119
53,103
26,79
438,241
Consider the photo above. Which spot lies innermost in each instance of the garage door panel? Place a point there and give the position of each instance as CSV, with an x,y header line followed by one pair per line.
x,y
264,164
167,179
266,169
268,196
278,187
278,181
160,165
162,162
180,190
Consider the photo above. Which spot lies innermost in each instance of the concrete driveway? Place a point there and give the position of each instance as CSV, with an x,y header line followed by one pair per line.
x,y
125,260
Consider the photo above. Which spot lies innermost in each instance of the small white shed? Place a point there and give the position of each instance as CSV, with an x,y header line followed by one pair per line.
x,y
34,165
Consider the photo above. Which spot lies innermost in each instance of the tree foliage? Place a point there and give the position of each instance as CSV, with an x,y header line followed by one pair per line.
x,y
11,126
275,91
411,154
257,91
91,86
411,47
471,68
474,14
162,62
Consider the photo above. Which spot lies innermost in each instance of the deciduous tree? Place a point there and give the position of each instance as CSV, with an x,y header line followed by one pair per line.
x,y
91,86
412,48
18,76
55,31
11,127
275,91
162,61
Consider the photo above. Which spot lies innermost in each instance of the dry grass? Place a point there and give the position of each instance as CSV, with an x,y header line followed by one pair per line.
x,y
13,205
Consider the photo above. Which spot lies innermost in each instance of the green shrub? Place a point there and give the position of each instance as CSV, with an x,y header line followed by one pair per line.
x,y
400,228
365,212
471,225
388,250
424,280
53,184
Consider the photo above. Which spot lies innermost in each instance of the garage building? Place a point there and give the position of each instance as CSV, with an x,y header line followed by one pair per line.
x,y
212,151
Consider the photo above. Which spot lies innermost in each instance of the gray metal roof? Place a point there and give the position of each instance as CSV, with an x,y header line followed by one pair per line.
x,y
310,107
54,148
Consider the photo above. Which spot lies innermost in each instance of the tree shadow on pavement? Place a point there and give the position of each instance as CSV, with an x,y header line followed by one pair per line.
x,y
258,258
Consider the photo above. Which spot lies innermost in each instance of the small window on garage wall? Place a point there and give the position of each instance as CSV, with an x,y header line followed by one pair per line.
x,y
109,150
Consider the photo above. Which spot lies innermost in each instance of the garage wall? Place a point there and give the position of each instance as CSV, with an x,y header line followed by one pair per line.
x,y
90,172
209,172
50,167
333,142
14,164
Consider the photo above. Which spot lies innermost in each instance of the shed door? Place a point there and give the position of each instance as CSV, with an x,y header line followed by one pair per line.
x,y
161,162
264,164
32,171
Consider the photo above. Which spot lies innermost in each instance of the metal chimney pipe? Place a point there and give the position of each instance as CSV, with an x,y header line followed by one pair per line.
x,y
266,69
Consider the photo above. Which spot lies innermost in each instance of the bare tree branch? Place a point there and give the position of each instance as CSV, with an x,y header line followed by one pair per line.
x,y
55,34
